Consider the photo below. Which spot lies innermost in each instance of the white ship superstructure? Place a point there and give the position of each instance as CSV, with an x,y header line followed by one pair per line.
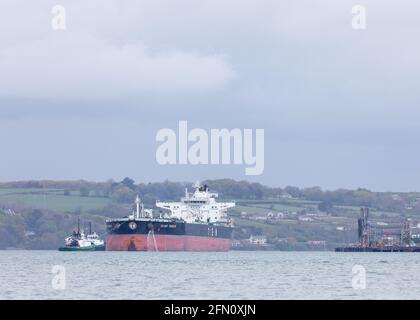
x,y
84,240
199,207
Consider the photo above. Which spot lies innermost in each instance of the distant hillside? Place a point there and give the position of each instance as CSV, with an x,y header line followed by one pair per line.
x,y
39,214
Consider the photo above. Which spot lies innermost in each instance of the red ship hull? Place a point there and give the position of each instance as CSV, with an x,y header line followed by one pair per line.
x,y
144,242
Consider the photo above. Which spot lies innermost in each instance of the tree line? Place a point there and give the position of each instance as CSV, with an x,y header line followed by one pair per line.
x,y
126,190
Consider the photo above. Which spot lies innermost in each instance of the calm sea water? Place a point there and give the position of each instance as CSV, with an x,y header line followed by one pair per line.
x,y
188,275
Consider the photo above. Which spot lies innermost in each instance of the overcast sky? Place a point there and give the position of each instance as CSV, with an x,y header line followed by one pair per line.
x,y
340,107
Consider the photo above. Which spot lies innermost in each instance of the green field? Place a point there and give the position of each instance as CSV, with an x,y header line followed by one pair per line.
x,y
265,206
51,199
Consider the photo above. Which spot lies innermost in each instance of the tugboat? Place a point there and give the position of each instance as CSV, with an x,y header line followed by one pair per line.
x,y
197,223
79,241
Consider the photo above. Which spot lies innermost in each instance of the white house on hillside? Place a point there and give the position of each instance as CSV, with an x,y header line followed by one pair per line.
x,y
258,239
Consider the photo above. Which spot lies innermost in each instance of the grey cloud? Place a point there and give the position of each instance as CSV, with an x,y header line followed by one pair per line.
x,y
324,93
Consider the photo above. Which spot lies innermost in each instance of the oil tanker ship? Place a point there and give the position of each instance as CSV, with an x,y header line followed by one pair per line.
x,y
197,223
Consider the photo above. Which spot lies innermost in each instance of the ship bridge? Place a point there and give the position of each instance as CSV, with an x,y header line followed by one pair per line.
x,y
199,206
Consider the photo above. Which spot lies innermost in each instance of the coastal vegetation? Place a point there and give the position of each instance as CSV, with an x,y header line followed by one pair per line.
x,y
40,214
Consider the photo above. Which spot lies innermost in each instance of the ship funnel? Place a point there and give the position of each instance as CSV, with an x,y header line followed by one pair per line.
x,y
196,185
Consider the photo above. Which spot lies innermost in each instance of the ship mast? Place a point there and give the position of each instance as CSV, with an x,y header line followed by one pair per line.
x,y
138,207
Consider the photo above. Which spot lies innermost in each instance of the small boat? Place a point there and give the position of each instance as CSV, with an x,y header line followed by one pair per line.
x,y
79,241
